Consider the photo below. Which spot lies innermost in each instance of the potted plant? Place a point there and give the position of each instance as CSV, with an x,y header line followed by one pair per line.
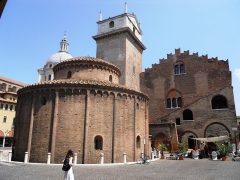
x,y
223,150
162,147
182,148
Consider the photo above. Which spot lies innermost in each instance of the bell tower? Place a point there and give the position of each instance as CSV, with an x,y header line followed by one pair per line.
x,y
119,41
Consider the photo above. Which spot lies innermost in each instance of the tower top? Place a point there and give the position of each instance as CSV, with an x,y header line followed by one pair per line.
x,y
125,8
64,44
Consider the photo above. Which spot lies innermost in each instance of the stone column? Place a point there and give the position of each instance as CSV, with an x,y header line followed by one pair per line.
x,y
31,127
26,158
49,158
125,158
54,128
9,156
75,159
102,158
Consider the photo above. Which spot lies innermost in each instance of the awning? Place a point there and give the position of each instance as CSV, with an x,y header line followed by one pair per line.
x,y
212,139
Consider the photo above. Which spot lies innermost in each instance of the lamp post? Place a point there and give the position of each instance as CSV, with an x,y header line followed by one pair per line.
x,y
234,129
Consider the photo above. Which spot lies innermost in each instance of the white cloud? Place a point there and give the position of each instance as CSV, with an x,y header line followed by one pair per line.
x,y
237,73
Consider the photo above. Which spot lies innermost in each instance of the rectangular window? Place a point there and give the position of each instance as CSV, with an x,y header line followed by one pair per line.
x,y
4,119
178,122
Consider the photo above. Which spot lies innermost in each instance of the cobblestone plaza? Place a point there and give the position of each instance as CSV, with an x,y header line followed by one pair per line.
x,y
187,169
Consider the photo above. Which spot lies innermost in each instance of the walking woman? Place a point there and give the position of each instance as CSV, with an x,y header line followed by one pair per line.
x,y
67,166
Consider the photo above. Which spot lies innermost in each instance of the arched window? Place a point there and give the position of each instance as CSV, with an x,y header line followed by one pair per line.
x,y
49,77
6,107
174,99
69,74
111,24
219,102
187,114
11,107
169,104
179,68
98,143
174,102
138,142
110,78
179,102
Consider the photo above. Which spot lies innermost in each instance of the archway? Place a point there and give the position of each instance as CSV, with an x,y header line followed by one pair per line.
x,y
159,139
187,138
214,130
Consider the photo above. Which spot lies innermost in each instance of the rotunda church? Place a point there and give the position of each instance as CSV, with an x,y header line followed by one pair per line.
x,y
90,105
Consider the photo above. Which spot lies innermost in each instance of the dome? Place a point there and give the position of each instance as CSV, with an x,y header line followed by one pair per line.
x,y
59,57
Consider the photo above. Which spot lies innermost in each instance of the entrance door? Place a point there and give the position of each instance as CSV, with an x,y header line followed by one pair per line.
x,y
191,142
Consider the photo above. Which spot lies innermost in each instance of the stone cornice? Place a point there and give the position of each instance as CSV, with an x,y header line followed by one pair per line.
x,y
82,61
84,84
117,31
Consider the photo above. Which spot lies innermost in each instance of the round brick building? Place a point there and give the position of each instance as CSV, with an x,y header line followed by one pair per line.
x,y
84,109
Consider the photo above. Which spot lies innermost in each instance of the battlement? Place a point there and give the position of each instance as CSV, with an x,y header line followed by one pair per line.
x,y
186,54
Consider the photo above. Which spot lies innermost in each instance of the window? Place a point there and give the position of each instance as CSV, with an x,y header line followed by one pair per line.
x,y
1,106
138,142
11,107
49,77
111,24
179,102
219,102
169,104
110,78
98,141
4,119
187,114
134,69
50,65
69,74
174,99
178,122
6,107
137,106
174,102
179,68
43,101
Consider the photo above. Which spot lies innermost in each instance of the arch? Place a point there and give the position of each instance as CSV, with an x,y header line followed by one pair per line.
x,y
219,102
174,99
98,142
49,77
187,114
216,129
138,142
69,74
187,136
111,24
161,138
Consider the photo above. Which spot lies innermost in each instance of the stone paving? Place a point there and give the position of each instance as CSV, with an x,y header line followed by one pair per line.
x,y
187,169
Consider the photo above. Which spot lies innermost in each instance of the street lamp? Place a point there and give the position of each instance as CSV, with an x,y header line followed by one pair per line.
x,y
234,129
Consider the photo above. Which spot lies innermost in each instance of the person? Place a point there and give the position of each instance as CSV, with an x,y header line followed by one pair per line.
x,y
68,175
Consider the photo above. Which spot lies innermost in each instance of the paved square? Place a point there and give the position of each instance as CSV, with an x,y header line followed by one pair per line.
x,y
187,169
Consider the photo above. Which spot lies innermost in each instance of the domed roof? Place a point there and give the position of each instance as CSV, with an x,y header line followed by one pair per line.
x,y
59,57
62,54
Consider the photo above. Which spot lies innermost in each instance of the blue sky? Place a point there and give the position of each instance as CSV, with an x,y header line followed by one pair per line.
x,y
30,31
